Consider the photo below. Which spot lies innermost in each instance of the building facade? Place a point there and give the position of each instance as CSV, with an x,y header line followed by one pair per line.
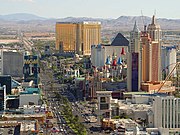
x,y
2,97
31,69
155,33
146,56
7,81
99,53
166,112
11,63
134,61
77,37
168,60
104,104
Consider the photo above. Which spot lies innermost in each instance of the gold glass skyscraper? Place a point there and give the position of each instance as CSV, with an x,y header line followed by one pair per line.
x,y
77,37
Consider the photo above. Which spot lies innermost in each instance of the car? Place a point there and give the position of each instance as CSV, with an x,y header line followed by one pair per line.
x,y
10,131
41,131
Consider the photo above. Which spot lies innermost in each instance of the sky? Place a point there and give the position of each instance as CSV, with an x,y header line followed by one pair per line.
x,y
92,8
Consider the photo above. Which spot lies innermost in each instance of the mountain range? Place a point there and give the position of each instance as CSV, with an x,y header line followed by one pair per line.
x,y
21,17
123,23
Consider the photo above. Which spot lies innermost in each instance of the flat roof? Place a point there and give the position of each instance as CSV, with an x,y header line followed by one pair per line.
x,y
28,126
134,93
103,91
80,22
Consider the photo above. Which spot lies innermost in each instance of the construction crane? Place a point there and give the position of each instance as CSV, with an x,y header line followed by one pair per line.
x,y
168,76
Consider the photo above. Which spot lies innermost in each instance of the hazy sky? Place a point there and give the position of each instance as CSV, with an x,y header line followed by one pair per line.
x,y
92,8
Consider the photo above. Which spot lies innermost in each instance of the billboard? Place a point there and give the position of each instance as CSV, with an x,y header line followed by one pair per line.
x,y
31,68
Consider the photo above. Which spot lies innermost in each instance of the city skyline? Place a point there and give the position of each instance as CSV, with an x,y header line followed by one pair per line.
x,y
91,8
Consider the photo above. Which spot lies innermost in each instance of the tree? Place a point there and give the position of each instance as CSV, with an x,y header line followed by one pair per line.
x,y
116,117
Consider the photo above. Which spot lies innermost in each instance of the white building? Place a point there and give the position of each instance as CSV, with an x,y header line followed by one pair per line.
x,y
166,111
99,53
168,55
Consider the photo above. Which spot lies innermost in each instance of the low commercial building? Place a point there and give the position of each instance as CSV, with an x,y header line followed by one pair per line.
x,y
153,87
33,109
122,126
24,127
90,86
28,127
22,117
134,111
29,99
104,104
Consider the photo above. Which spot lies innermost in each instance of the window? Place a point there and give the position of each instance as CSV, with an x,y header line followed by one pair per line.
x,y
103,99
104,106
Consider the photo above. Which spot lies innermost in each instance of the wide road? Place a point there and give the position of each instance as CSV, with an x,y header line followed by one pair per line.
x,y
49,87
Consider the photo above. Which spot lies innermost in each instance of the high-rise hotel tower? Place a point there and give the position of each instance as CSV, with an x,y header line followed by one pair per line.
x,y
155,33
144,58
77,37
134,61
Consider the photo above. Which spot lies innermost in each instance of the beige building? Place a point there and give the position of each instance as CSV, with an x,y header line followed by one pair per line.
x,y
151,52
155,33
146,56
77,37
104,104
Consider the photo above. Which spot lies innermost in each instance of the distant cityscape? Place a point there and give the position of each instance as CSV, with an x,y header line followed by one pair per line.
x,y
86,76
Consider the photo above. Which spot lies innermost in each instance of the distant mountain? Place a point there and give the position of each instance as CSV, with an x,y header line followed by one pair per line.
x,y
126,23
30,22
21,17
80,19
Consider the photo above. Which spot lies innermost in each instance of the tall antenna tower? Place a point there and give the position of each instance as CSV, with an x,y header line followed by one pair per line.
x,y
154,12
143,20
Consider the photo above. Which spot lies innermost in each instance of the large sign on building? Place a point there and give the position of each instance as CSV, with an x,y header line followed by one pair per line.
x,y
31,69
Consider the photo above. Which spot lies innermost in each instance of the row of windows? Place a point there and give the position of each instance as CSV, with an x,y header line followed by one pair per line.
x,y
170,113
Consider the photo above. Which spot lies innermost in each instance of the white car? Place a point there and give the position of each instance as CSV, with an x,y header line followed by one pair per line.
x,y
61,130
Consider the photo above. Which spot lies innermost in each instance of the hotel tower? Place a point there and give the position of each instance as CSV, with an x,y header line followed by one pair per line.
x,y
77,37
144,58
155,33
134,61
